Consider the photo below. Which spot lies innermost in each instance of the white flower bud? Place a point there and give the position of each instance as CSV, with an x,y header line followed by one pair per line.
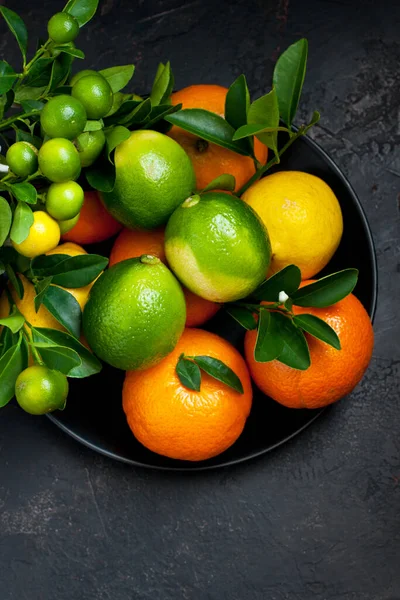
x,y
283,297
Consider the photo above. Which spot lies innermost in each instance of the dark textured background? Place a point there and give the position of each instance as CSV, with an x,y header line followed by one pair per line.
x,y
319,518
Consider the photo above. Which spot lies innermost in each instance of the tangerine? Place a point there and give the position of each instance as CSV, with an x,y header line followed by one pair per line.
x,y
180,423
209,160
95,224
333,373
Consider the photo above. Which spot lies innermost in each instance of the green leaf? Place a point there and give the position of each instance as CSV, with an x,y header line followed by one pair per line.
x,y
60,72
17,28
220,371
188,373
90,365
30,105
94,125
226,181
14,321
242,315
138,115
328,290
237,103
15,281
22,221
163,85
64,308
6,101
115,136
12,363
70,271
23,136
26,92
265,111
101,176
126,108
288,79
318,328
314,119
210,127
24,192
269,344
255,129
287,280
295,351
118,77
82,10
39,75
70,50
160,112
41,288
8,339
118,99
5,219
7,77
58,357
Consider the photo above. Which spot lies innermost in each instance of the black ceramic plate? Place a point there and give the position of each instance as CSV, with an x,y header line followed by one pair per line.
x,y
94,413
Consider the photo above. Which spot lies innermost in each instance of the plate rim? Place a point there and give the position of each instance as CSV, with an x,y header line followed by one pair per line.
x,y
230,462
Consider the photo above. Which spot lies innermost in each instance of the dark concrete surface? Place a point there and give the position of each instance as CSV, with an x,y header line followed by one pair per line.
x,y
319,518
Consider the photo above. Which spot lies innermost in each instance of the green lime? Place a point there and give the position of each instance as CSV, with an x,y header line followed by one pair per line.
x,y
40,390
81,74
63,116
95,93
66,226
135,313
59,160
63,28
153,176
64,200
22,158
90,144
218,247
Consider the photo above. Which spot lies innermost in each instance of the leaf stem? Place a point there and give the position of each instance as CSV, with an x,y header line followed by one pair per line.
x,y
32,176
7,177
38,54
35,353
8,122
270,163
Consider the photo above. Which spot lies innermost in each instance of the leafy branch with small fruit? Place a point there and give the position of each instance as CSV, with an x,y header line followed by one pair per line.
x,y
60,135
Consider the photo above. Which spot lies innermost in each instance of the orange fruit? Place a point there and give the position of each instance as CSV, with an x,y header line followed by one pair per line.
x,y
177,422
333,373
132,243
209,160
95,224
198,310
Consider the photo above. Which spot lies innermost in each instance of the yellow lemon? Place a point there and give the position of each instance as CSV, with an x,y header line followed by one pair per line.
x,y
43,236
303,218
43,318
26,306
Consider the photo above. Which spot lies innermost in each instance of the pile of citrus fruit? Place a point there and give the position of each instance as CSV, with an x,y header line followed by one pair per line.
x,y
175,183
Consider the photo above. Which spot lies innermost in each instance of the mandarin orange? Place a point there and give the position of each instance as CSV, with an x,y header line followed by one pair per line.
x,y
180,423
209,160
333,373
